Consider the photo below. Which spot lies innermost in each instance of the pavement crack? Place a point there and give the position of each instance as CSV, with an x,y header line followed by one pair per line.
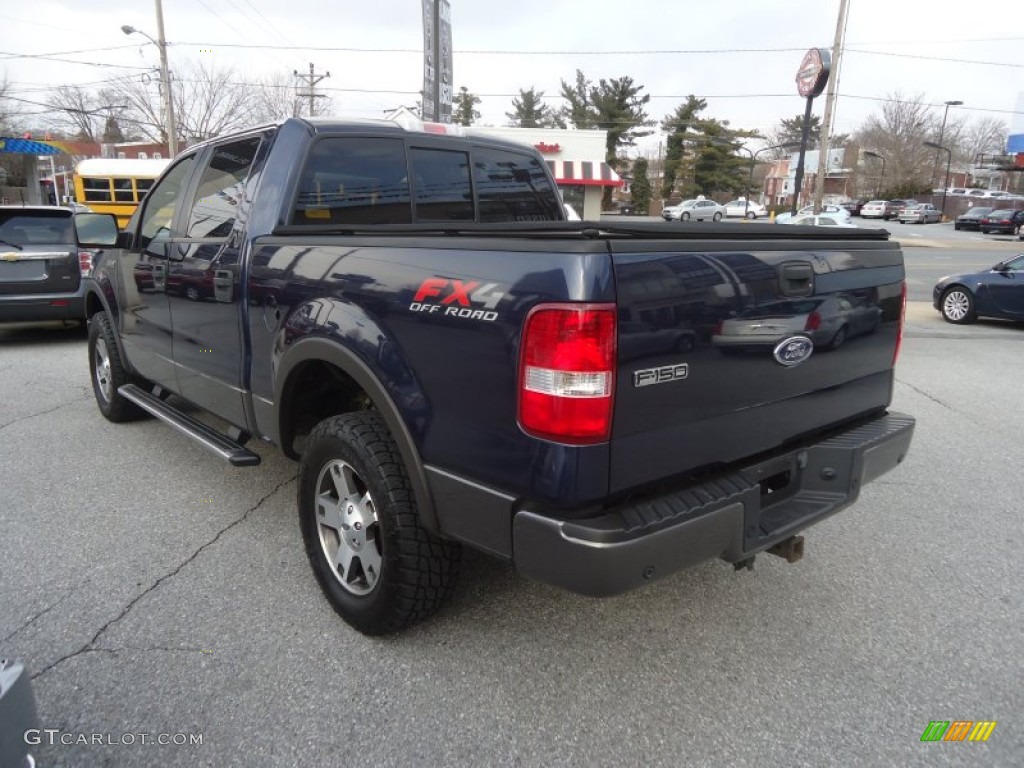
x,y
40,413
33,619
90,646
925,394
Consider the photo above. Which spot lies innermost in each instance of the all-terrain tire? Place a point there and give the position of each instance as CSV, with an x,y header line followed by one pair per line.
x,y
107,372
379,568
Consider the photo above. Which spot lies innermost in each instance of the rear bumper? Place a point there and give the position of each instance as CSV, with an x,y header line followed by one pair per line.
x,y
732,517
44,306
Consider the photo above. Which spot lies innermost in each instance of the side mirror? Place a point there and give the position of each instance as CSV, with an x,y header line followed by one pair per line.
x,y
1000,267
96,230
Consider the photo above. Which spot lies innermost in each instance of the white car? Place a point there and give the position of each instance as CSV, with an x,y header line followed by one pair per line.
x,y
835,211
694,210
742,209
822,220
875,209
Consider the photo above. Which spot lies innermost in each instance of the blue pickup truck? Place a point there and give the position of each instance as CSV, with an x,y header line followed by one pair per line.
x,y
408,314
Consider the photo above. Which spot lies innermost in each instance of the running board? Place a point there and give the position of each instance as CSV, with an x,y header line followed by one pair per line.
x,y
205,435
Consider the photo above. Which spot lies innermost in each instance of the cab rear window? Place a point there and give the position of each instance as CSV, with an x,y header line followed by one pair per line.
x,y
371,180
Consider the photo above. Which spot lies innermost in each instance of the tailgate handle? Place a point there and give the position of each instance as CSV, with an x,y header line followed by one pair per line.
x,y
796,278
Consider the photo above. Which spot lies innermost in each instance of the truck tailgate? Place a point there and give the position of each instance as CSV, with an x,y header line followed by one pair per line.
x,y
728,350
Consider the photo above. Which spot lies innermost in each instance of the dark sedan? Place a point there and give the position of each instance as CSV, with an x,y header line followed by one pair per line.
x,y
1005,221
999,292
971,219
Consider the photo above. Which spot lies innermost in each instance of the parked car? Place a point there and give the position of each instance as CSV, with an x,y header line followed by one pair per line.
x,y
828,321
1005,221
43,259
875,209
743,209
695,210
997,292
853,207
822,220
896,208
922,213
835,211
971,219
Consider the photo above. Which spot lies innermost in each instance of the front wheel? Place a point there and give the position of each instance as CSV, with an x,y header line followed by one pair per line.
x,y
957,306
684,216
107,372
378,566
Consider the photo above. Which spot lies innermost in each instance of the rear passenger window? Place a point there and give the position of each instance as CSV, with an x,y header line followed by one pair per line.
x,y
513,187
441,185
354,181
221,189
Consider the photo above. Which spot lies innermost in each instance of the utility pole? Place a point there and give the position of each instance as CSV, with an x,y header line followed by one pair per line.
x,y
165,74
311,80
830,98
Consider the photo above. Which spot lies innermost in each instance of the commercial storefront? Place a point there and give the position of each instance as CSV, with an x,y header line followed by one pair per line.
x,y
576,159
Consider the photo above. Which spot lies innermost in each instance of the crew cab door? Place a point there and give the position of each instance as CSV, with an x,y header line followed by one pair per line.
x,y
141,277
204,283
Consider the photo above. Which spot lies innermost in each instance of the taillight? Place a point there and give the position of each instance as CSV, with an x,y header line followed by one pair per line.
x,y
813,322
903,315
85,263
567,372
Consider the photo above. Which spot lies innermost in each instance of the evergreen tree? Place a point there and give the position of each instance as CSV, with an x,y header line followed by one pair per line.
x,y
641,187
678,125
464,112
529,111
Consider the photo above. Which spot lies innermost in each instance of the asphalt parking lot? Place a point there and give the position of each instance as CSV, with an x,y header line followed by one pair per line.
x,y
154,590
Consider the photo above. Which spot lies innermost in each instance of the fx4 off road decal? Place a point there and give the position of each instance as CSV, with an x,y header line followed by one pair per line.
x,y
455,298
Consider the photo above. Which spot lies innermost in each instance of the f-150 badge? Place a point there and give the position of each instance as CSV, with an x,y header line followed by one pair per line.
x,y
660,375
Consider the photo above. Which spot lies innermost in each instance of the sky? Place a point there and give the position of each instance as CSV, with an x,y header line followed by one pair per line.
x,y
740,55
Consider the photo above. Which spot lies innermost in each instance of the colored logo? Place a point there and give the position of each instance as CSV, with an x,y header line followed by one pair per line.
x,y
958,730
793,351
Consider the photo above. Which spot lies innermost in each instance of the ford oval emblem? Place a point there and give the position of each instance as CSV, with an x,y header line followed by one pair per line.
x,y
793,351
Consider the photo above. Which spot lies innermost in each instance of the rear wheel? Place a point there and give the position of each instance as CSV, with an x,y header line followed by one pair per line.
x,y
107,372
378,566
957,305
751,215
717,216
838,339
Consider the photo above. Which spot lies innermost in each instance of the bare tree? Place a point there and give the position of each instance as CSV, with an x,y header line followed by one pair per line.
x,y
75,111
6,108
208,101
898,133
276,98
986,135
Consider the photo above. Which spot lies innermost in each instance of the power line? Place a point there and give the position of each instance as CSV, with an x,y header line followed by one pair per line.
x,y
936,58
5,55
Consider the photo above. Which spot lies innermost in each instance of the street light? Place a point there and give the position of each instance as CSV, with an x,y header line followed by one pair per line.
x,y
165,76
949,161
881,179
942,134
753,161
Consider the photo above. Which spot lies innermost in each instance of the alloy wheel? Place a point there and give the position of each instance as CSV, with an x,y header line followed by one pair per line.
x,y
348,526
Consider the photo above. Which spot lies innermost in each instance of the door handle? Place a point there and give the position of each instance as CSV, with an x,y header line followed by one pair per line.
x,y
796,278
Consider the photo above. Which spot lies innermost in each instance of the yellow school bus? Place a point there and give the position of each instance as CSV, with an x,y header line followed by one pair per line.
x,y
115,186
